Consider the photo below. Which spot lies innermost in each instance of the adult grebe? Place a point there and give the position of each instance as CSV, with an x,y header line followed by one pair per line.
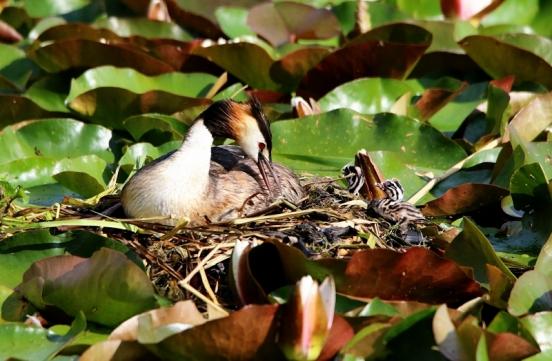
x,y
206,184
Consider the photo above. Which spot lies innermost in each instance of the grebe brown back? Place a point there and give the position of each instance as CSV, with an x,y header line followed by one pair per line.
x,y
205,184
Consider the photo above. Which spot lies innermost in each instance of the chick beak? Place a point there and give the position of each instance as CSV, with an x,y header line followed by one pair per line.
x,y
264,165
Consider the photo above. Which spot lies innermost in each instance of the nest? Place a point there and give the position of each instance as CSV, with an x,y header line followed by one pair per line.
x,y
193,262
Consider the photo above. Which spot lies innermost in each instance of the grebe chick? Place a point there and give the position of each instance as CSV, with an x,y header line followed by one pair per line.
x,y
206,184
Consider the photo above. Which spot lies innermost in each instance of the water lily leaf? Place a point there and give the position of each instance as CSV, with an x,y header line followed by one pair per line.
x,y
170,51
452,115
154,324
143,27
417,275
111,106
142,153
14,67
529,187
472,249
18,252
246,61
22,342
147,127
331,139
39,170
55,139
389,51
465,198
39,9
531,292
85,184
82,53
287,21
531,120
183,84
383,93
499,59
539,325
256,326
505,345
233,21
49,93
15,108
290,69
107,287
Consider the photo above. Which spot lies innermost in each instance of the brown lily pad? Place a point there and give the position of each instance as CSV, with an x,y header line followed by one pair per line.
x,y
388,52
416,275
463,199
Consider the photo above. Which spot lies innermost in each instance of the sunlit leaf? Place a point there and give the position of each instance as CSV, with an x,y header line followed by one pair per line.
x,y
107,287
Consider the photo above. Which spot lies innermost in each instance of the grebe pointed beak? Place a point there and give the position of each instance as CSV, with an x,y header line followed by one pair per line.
x,y
263,163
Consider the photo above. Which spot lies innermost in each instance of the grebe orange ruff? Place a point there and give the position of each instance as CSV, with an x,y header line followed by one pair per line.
x,y
206,184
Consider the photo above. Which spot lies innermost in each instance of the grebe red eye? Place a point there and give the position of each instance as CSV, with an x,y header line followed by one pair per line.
x,y
261,146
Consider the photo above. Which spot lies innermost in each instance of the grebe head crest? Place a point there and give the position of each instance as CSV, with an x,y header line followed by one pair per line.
x,y
247,124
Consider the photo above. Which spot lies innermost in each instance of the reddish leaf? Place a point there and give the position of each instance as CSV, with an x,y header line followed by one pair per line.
x,y
432,100
508,347
173,52
464,198
285,21
188,20
14,108
340,333
77,53
247,334
8,34
390,51
505,83
195,22
417,275
290,69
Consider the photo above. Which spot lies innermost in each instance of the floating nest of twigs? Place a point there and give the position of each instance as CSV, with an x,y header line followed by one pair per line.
x,y
193,262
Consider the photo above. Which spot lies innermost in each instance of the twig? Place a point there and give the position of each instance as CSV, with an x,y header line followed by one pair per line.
x,y
455,168
284,215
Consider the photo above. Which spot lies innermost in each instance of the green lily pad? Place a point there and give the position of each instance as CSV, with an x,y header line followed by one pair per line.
x,y
531,293
139,154
39,170
331,140
29,343
539,325
143,27
233,21
472,249
49,93
54,139
369,95
154,126
183,84
107,287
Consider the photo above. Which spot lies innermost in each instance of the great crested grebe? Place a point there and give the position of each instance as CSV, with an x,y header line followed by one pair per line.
x,y
202,183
